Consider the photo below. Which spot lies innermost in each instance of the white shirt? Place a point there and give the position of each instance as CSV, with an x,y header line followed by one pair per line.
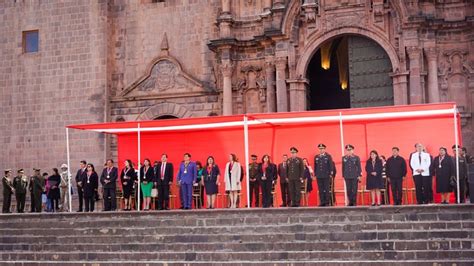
x,y
424,164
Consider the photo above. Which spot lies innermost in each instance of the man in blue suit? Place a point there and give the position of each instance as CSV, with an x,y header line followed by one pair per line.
x,y
187,176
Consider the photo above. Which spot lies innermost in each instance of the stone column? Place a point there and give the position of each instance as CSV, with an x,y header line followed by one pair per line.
x,y
433,89
270,81
267,5
298,99
225,20
281,91
278,3
400,90
416,93
226,6
227,69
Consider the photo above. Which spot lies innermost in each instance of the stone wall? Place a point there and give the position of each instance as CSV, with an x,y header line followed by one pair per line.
x,y
64,83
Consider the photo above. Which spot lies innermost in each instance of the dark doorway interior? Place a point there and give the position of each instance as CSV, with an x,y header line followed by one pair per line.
x,y
325,91
165,117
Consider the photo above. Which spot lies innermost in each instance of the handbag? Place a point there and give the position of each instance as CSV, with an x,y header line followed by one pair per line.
x,y
452,182
154,192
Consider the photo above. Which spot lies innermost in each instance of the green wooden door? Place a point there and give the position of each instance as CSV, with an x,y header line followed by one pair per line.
x,y
369,73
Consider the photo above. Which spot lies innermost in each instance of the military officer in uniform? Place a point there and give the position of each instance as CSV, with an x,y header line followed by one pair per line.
x,y
323,167
8,191
295,173
20,184
351,172
38,185
254,181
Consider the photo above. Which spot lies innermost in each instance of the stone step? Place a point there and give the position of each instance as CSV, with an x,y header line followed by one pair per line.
x,y
171,237
114,229
452,262
364,245
409,234
404,213
99,219
288,256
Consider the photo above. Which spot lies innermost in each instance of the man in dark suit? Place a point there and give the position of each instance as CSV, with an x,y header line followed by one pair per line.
x,y
108,179
79,177
164,179
396,170
282,173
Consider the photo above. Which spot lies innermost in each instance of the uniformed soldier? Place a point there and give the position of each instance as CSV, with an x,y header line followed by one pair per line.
x,y
323,167
295,177
20,184
8,191
38,186
254,181
351,172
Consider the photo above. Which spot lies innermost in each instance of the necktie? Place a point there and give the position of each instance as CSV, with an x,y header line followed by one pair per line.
x,y
162,171
419,157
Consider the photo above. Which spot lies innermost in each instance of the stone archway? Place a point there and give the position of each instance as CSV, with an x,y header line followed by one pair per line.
x,y
316,40
164,110
349,71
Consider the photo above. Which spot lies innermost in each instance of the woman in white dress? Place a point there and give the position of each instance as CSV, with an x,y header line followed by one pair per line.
x,y
232,179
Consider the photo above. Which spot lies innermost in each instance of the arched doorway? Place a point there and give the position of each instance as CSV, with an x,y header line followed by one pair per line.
x,y
349,71
162,117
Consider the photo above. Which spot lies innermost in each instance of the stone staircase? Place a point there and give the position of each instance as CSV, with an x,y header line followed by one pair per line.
x,y
422,235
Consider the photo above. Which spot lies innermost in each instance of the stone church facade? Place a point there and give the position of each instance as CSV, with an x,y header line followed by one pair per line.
x,y
127,60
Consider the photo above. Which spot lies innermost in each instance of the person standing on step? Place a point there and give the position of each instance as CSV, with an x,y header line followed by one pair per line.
x,y
54,194
79,177
8,191
396,170
164,180
283,174
64,202
254,181
463,171
374,180
444,170
127,179
420,162
90,185
44,195
352,173
108,179
30,188
268,173
32,198
309,177
187,176
323,167
232,177
211,174
198,185
20,184
295,173
147,177
154,198
38,187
